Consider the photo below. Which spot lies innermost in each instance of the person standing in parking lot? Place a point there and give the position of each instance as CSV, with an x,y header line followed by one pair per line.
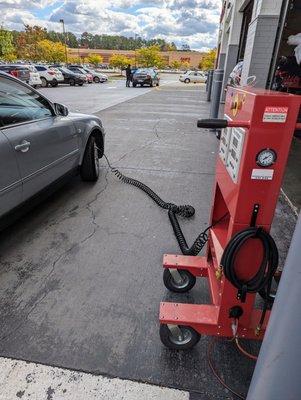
x,y
128,72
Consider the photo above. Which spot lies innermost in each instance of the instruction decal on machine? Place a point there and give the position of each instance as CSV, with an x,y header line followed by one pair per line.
x,y
262,174
275,114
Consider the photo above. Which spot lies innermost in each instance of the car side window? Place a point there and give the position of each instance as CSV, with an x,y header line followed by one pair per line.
x,y
19,104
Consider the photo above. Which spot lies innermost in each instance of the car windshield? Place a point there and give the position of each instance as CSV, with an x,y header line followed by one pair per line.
x,y
31,68
142,71
66,70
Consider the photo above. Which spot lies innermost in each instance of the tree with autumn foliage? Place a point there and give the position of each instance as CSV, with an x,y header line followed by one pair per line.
x,y
119,61
27,42
50,51
150,57
7,49
208,60
95,59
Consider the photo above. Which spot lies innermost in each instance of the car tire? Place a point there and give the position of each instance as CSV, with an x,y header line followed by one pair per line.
x,y
89,170
72,82
158,83
187,80
134,84
44,82
80,84
54,84
96,79
151,84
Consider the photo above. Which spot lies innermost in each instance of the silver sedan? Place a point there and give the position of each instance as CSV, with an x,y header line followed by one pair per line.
x,y
40,144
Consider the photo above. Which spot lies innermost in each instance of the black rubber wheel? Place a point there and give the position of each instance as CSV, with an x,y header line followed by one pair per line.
x,y
72,82
96,79
187,278
151,84
89,170
188,339
134,84
44,82
54,84
187,80
158,83
80,84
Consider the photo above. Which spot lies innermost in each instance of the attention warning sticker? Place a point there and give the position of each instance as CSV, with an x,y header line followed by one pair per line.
x,y
275,114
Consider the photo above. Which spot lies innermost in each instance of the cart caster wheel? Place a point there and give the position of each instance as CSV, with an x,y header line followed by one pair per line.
x,y
178,337
185,281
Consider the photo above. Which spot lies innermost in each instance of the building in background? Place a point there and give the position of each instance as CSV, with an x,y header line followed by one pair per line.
x,y
193,58
257,32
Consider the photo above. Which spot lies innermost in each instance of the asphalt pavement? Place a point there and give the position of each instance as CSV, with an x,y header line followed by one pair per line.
x,y
81,275
91,98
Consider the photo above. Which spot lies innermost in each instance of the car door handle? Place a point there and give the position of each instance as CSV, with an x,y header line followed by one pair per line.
x,y
23,146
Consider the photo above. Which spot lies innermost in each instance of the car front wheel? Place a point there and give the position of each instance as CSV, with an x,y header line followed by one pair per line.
x,y
96,79
187,80
89,170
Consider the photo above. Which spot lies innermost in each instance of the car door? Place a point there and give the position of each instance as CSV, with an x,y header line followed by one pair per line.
x,y
195,77
46,145
10,178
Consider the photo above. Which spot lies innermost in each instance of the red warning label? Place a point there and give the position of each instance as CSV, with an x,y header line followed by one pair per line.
x,y
275,114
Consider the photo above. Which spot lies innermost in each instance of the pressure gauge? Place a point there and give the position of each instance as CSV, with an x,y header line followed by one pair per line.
x,y
266,158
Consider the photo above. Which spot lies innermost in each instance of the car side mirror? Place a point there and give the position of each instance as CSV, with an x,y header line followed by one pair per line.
x,y
60,109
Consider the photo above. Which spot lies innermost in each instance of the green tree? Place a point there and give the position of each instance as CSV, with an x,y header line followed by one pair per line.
x,y
7,48
119,61
50,51
71,39
95,59
208,60
150,57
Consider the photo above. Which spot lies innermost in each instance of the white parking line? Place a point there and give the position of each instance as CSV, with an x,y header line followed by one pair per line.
x,y
25,380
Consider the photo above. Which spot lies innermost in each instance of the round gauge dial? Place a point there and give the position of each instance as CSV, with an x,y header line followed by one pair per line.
x,y
266,158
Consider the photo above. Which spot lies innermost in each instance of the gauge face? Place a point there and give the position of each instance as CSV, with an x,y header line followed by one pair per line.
x,y
266,157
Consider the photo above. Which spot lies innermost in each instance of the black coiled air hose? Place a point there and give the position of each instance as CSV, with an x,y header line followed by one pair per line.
x,y
185,211
266,271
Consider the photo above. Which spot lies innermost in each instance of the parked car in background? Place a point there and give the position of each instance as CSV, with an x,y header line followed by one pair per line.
x,y
98,77
193,76
19,71
146,76
40,144
49,76
73,78
34,76
80,70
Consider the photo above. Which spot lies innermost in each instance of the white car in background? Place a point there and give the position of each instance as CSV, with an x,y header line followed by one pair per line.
x,y
98,77
34,76
49,76
194,77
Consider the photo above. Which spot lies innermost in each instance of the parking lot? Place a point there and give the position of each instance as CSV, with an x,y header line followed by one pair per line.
x,y
91,98
81,275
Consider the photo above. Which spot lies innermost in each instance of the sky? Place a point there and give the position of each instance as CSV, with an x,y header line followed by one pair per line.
x,y
192,22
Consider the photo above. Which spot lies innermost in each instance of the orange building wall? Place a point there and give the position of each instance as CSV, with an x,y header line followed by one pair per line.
x,y
192,57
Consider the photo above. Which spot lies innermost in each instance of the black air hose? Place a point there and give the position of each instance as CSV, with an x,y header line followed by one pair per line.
x,y
266,271
185,211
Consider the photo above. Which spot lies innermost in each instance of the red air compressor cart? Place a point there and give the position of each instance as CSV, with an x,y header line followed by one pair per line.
x,y
254,147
